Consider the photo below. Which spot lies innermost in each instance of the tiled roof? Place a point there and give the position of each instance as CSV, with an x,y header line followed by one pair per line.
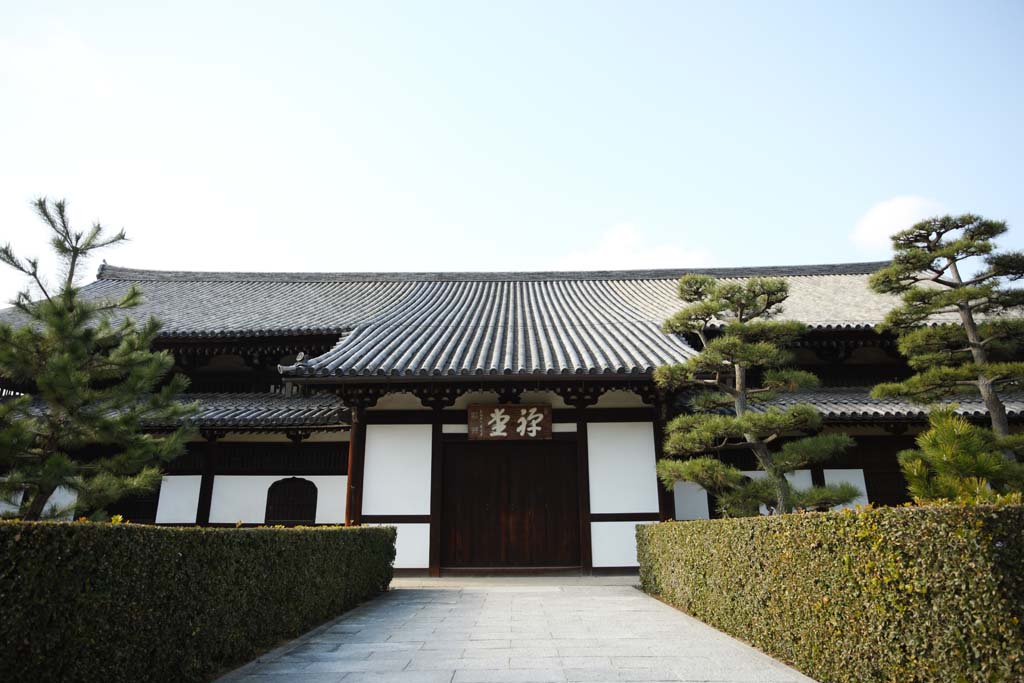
x,y
403,324
265,410
496,328
254,411
857,404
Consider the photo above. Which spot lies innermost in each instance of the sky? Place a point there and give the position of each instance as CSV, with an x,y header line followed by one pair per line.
x,y
415,136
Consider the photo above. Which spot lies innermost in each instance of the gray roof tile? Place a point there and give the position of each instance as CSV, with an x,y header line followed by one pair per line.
x,y
402,324
265,411
856,403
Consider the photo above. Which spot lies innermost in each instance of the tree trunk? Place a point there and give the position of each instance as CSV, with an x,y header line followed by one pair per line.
x,y
34,510
783,491
995,407
760,449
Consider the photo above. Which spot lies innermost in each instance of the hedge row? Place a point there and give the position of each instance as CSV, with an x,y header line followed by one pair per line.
x,y
120,602
892,594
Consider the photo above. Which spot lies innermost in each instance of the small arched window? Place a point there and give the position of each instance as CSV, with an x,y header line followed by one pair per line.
x,y
291,502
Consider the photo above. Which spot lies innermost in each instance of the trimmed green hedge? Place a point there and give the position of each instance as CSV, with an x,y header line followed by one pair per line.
x,y
122,602
892,594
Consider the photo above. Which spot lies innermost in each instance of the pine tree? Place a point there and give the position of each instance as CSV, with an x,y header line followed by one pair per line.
x,y
749,342
958,461
90,382
976,354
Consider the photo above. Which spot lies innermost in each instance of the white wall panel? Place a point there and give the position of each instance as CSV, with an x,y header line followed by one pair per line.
x,y
396,474
613,544
799,479
412,547
61,499
855,477
179,497
622,467
691,501
12,507
243,498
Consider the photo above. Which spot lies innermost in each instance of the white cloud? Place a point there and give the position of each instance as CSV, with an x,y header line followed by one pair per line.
x,y
624,247
884,219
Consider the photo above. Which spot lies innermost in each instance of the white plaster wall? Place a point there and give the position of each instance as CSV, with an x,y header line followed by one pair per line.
x,y
543,398
620,398
12,507
855,477
470,397
243,498
179,497
691,501
412,547
613,544
399,401
61,499
622,467
799,479
396,474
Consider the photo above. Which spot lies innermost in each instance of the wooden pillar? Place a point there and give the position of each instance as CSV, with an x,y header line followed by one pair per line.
x,y
436,472
666,498
583,471
356,456
211,451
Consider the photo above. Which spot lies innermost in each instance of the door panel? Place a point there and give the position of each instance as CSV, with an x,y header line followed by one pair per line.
x,y
510,505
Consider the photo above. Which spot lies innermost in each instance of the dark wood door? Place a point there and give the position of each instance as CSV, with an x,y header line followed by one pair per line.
x,y
510,505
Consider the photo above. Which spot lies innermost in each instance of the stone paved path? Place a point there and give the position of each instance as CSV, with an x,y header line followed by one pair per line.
x,y
516,631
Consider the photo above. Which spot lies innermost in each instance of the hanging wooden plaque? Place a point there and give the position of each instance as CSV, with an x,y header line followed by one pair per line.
x,y
509,422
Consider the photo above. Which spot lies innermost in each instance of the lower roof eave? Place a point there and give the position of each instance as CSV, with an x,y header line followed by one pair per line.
x,y
512,378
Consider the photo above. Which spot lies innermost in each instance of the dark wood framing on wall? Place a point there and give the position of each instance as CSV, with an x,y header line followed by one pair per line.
x,y
214,457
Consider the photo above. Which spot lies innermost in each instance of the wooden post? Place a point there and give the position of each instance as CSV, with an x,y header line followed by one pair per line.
x,y
210,454
436,472
356,456
583,472
666,498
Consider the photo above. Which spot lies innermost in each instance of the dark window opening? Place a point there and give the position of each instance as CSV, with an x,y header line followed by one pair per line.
x,y
291,502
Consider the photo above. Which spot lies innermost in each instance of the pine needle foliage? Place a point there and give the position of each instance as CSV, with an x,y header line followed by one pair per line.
x,y
90,383
961,462
978,354
750,340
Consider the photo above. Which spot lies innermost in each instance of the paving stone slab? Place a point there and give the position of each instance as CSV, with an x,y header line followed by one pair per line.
x,y
515,630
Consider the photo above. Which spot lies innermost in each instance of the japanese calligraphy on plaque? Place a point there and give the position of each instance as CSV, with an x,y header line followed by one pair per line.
x,y
511,422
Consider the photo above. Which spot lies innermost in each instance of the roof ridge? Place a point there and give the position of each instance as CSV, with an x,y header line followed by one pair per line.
x,y
109,272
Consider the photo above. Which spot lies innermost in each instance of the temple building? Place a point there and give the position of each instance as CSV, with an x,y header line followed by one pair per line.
x,y
498,420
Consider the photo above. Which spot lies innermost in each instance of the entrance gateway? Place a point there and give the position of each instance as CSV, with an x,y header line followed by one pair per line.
x,y
565,493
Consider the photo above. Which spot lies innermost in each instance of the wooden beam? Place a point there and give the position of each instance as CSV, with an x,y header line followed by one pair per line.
x,y
625,516
356,457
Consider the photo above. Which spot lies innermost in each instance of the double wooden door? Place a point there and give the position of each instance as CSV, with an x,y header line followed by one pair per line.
x,y
512,504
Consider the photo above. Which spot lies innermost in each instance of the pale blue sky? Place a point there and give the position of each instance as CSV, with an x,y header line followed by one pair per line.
x,y
472,136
